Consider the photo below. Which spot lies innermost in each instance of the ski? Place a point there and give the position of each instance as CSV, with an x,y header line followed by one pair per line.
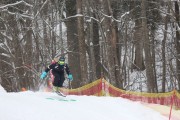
x,y
61,99
60,93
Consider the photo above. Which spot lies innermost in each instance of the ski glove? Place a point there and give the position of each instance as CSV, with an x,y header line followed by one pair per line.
x,y
43,75
70,77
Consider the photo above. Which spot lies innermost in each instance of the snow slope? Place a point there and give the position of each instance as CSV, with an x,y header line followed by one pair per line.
x,y
2,89
165,110
49,106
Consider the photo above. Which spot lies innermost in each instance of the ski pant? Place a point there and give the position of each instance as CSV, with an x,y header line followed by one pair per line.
x,y
58,80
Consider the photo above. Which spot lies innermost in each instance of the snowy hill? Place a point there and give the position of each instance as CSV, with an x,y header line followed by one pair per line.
x,y
49,106
2,89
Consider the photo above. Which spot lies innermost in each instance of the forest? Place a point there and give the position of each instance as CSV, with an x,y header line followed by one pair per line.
x,y
133,44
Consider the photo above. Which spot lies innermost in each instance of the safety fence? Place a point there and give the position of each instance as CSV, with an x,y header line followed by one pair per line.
x,y
102,88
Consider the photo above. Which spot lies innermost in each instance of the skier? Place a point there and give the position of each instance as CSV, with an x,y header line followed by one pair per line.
x,y
58,70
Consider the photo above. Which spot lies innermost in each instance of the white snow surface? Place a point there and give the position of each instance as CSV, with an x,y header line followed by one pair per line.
x,y
40,106
2,89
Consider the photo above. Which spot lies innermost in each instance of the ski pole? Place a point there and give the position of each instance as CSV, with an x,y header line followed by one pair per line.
x,y
70,84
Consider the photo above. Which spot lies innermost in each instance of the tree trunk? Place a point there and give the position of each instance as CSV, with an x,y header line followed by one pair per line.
x,y
46,40
95,4
18,57
148,58
81,39
177,42
96,49
72,41
118,73
111,39
164,53
138,42
92,66
28,55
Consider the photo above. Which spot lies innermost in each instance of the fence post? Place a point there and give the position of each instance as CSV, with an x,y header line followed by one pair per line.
x,y
100,87
103,87
172,101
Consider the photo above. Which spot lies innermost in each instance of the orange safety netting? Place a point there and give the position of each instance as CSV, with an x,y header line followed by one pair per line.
x,y
102,88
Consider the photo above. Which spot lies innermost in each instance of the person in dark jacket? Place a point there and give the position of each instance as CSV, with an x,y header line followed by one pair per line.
x,y
58,70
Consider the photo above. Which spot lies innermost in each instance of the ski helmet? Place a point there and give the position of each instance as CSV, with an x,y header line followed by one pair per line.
x,y
61,60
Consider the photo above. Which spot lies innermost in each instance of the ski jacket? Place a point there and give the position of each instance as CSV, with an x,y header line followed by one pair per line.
x,y
58,69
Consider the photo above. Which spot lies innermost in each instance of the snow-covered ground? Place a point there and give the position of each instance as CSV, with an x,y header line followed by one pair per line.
x,y
165,111
49,106
2,89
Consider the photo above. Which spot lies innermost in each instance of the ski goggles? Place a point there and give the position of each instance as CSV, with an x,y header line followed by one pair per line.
x,y
61,62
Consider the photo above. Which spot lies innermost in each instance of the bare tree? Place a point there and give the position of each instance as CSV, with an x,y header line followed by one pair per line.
x,y
177,15
164,51
111,39
72,41
138,43
148,57
81,39
89,37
